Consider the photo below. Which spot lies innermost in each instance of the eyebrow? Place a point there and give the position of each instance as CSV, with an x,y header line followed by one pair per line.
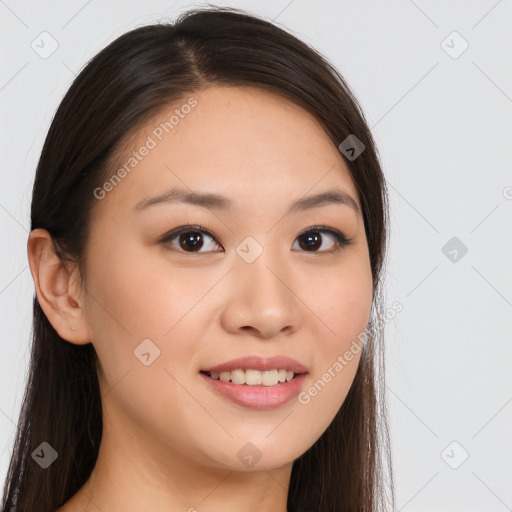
x,y
218,202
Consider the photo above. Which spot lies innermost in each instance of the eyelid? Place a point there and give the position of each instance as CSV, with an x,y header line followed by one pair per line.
x,y
339,235
342,241
166,239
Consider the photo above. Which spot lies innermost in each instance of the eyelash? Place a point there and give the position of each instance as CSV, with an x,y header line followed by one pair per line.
x,y
341,240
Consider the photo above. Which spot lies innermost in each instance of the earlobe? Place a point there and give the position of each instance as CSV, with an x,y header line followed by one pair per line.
x,y
55,289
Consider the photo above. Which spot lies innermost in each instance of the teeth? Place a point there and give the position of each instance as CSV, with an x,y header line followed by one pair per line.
x,y
237,376
254,377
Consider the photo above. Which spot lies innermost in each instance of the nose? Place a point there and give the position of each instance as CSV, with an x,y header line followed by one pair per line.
x,y
262,298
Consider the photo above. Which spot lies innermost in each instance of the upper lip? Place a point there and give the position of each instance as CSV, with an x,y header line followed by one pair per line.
x,y
259,363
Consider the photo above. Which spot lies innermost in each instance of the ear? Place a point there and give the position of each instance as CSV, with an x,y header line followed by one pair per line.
x,y
57,289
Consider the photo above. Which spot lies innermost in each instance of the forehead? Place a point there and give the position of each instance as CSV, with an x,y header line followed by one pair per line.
x,y
245,143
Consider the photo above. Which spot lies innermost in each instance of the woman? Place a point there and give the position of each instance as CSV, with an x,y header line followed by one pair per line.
x,y
209,222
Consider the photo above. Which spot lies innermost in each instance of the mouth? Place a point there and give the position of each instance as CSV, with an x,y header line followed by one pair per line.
x,y
251,377
255,389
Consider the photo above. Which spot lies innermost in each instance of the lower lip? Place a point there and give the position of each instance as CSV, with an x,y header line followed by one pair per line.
x,y
258,397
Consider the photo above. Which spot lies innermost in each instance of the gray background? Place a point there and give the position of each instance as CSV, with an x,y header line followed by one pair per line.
x,y
442,122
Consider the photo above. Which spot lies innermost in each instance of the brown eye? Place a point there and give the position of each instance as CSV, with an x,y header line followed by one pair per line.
x,y
191,239
312,239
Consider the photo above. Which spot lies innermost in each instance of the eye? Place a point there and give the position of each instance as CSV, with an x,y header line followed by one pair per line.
x,y
311,239
191,239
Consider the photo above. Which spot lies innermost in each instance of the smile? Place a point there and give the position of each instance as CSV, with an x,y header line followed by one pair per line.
x,y
251,377
255,396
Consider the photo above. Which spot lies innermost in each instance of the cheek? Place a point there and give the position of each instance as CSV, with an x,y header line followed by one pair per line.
x,y
142,297
140,293
342,304
341,299
134,300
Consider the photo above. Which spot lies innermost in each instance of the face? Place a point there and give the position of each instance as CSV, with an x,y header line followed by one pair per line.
x,y
175,288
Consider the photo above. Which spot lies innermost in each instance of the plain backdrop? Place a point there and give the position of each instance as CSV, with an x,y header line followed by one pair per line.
x,y
434,79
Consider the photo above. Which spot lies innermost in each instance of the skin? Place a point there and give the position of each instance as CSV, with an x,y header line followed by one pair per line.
x,y
169,441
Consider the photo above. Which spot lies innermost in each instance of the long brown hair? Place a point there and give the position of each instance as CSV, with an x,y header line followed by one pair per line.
x,y
120,88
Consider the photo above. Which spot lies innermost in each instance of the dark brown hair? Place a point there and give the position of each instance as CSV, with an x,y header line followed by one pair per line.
x,y
118,90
